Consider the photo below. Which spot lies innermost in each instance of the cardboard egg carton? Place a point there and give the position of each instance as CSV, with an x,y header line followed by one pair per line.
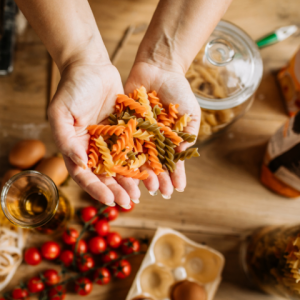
x,y
172,258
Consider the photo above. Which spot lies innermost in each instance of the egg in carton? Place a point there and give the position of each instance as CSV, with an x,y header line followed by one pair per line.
x,y
176,268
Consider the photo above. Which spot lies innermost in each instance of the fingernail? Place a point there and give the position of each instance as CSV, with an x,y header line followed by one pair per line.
x,y
77,161
153,193
128,206
136,201
166,196
180,191
110,204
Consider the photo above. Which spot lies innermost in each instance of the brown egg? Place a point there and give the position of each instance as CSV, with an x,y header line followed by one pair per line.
x,y
27,153
188,290
55,168
9,174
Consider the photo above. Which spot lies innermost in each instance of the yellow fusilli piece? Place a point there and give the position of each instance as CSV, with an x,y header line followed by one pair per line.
x,y
107,158
140,160
99,169
142,135
143,99
182,122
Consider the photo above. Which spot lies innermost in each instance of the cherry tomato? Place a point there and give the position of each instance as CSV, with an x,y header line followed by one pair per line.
x,y
32,256
110,256
66,257
57,293
97,245
50,250
81,247
70,236
110,213
102,276
102,227
83,286
121,209
130,245
85,262
89,213
19,293
35,285
113,240
122,269
51,277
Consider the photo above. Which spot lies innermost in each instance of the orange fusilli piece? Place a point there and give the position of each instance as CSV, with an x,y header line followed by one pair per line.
x,y
152,157
126,139
105,130
130,172
173,136
173,112
126,101
120,156
138,145
154,100
93,154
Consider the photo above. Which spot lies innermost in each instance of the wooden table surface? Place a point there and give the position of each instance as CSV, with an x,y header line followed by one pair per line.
x,y
224,198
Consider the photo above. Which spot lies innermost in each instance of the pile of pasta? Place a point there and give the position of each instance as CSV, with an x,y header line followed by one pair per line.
x,y
12,240
140,132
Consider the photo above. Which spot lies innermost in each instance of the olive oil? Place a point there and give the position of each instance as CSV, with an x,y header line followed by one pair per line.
x,y
35,203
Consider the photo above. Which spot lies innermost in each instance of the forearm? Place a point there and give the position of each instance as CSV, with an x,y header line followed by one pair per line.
x,y
67,28
178,30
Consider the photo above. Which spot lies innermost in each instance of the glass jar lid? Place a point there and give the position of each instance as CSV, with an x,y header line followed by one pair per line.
x,y
230,68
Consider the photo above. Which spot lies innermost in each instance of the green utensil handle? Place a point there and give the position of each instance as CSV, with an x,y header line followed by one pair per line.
x,y
267,40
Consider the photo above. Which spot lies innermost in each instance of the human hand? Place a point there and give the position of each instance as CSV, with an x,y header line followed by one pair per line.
x,y
86,95
171,87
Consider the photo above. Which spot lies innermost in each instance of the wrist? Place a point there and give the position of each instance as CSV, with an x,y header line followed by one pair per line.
x,y
89,50
163,55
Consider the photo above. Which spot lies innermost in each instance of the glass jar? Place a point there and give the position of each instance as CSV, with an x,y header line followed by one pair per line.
x,y
224,77
271,258
31,200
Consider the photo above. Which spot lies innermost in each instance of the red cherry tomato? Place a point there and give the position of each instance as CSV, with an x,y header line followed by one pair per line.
x,y
57,293
110,213
85,262
35,285
113,240
97,245
102,227
32,256
121,209
89,213
81,247
50,250
70,236
122,269
66,257
102,276
110,256
83,286
51,277
130,245
19,293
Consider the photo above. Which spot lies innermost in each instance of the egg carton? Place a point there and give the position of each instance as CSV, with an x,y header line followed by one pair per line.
x,y
171,259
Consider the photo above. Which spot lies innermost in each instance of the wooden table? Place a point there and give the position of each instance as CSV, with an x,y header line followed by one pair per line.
x,y
224,198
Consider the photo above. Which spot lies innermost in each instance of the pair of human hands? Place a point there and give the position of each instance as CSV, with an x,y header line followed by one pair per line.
x,y
86,95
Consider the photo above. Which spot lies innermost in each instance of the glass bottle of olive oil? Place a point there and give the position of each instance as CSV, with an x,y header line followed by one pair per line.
x,y
31,200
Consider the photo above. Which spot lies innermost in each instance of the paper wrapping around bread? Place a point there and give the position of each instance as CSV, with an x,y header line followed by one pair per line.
x,y
12,240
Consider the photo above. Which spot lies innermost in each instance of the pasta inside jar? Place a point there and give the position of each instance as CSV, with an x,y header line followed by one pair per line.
x,y
224,76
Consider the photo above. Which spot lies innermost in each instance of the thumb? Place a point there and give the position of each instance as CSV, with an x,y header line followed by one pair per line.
x,y
70,141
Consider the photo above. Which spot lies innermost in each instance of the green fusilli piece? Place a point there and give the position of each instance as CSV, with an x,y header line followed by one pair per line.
x,y
191,152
